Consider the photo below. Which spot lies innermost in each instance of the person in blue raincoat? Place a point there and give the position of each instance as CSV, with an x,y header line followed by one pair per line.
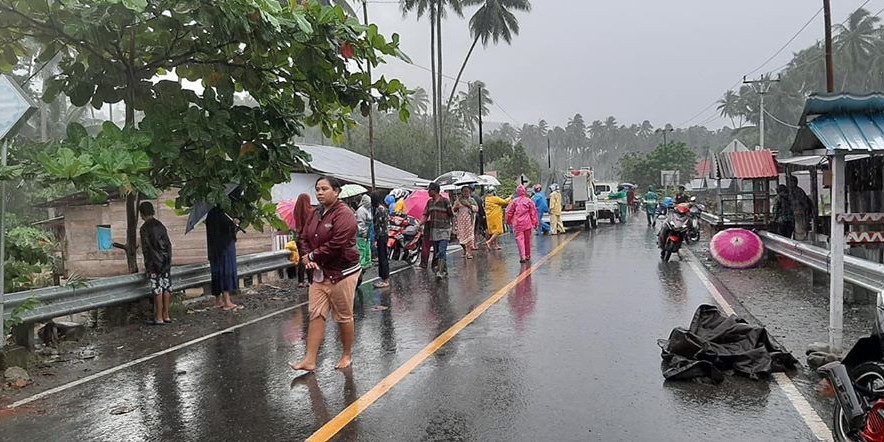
x,y
542,204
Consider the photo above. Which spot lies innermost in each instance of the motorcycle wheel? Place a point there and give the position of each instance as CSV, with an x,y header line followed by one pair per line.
x,y
868,374
665,255
694,236
413,258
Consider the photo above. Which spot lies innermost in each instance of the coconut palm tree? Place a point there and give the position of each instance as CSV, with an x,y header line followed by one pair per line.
x,y
435,10
493,21
856,40
728,106
419,100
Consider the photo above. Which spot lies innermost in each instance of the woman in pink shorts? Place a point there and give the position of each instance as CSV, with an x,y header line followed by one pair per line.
x,y
329,242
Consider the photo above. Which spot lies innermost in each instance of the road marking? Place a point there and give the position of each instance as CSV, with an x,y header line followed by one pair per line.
x,y
813,421
332,427
113,370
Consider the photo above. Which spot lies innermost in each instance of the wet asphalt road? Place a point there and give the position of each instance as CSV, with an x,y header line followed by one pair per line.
x,y
569,354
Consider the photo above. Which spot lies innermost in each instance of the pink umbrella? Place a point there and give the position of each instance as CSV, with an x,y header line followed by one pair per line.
x,y
417,202
736,248
286,212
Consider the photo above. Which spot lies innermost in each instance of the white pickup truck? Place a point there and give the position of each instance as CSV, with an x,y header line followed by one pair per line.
x,y
607,209
579,199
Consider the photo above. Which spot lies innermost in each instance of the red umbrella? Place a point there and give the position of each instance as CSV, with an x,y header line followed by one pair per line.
x,y
417,202
286,212
736,248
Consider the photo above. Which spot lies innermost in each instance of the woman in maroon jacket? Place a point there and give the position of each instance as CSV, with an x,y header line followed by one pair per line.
x,y
329,241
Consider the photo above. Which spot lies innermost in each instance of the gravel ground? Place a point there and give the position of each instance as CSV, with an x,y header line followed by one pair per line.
x,y
105,346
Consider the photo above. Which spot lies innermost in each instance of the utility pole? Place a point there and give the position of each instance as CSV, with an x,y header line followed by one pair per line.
x,y
761,87
830,63
370,109
548,155
481,147
664,131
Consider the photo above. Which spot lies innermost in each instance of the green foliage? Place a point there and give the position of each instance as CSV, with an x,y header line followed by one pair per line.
x,y
30,257
267,69
518,163
644,169
15,315
114,159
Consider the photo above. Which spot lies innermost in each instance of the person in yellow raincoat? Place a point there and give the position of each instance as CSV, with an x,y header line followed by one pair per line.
x,y
555,210
494,216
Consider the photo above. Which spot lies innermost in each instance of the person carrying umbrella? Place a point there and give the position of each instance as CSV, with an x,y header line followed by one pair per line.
x,y
221,245
522,215
542,205
465,209
329,249
437,228
494,216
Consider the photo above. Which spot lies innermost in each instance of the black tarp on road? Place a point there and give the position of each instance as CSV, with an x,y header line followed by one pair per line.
x,y
716,345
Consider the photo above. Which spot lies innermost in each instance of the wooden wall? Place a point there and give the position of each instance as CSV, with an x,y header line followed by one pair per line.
x,y
83,258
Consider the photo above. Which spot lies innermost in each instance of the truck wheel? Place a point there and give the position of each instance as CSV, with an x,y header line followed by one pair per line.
x,y
593,221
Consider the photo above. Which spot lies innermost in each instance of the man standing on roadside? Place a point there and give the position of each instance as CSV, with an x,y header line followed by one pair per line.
x,y
437,227
157,251
555,210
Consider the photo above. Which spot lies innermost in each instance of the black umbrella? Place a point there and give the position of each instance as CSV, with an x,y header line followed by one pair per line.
x,y
200,211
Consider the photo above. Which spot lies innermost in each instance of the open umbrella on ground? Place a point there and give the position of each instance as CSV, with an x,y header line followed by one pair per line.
x,y
456,176
351,190
736,248
417,202
286,212
488,180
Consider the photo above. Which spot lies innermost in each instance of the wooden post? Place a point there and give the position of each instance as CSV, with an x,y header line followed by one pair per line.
x,y
836,259
814,209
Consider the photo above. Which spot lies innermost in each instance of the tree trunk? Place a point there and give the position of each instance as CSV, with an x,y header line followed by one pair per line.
x,y
460,73
131,199
435,98
439,81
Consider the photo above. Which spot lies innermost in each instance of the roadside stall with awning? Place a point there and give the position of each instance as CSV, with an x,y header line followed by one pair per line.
x,y
836,126
747,203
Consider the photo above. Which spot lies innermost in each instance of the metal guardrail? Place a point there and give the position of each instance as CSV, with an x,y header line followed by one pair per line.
x,y
857,271
105,292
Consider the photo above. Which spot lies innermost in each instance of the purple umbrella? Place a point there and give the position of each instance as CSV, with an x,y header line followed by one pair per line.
x,y
736,248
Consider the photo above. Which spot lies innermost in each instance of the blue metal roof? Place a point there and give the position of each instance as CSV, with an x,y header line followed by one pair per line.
x,y
854,132
844,123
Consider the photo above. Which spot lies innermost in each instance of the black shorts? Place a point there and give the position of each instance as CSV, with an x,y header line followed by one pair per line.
x,y
160,283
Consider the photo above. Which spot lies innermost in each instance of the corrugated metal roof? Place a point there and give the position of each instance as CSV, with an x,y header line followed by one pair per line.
x,y
850,132
752,164
842,123
353,167
704,168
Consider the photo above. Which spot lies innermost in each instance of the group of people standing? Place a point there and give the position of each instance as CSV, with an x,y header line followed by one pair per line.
x,y
792,210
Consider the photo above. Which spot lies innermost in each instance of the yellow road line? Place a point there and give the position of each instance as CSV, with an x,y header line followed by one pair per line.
x,y
332,427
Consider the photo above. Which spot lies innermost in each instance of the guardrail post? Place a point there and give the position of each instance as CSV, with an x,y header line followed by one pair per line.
x,y
23,335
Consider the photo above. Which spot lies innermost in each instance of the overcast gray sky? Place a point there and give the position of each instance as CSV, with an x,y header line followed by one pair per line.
x,y
636,60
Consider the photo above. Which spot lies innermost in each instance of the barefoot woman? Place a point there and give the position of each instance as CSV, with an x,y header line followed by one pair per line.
x,y
329,242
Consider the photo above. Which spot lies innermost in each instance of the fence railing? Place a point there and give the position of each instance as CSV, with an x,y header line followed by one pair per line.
x,y
857,271
105,292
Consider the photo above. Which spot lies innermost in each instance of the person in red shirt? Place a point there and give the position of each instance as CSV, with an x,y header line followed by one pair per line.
x,y
329,250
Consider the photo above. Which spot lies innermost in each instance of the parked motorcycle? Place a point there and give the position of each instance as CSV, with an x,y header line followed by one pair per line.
x,y
694,225
674,231
858,382
405,238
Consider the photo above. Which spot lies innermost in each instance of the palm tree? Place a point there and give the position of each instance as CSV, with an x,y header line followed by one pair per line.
x,y
436,10
492,22
543,126
856,40
646,129
419,100
728,106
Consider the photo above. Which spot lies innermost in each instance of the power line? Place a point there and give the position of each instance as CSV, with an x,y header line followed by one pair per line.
x,y
780,121
703,111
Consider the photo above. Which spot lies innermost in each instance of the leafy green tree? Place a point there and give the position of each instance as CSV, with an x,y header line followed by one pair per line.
x,y
293,59
644,169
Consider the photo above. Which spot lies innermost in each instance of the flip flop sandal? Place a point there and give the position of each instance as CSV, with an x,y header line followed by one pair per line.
x,y
155,323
